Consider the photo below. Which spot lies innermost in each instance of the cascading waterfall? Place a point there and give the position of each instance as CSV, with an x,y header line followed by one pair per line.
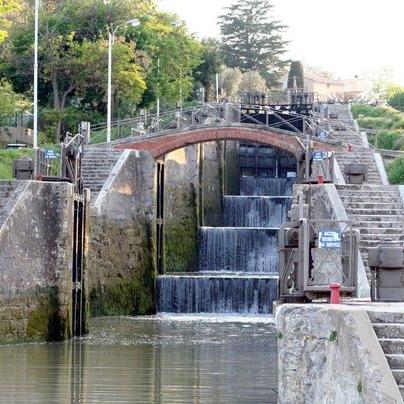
x,y
252,211
238,249
238,263
216,294
266,186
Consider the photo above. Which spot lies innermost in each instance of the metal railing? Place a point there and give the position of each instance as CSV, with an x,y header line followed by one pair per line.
x,y
213,113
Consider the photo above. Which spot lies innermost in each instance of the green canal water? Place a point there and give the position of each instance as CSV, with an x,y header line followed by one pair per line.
x,y
178,359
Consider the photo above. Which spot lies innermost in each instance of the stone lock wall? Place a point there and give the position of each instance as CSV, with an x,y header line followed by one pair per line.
x,y
181,209
35,265
330,354
193,197
121,262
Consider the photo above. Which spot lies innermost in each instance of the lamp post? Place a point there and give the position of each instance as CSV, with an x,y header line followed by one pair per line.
x,y
111,35
35,128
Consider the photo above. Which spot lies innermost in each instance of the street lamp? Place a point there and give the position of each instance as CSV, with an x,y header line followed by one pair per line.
x,y
35,128
111,35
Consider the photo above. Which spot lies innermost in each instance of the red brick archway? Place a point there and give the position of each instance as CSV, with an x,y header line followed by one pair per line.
x,y
161,145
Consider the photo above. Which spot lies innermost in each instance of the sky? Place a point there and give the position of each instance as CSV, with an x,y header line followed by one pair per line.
x,y
345,37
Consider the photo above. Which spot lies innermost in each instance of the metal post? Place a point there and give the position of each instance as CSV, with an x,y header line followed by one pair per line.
x,y
307,150
109,91
158,94
35,140
217,87
181,90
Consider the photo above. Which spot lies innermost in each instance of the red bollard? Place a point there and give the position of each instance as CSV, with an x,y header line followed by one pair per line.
x,y
350,148
320,179
335,297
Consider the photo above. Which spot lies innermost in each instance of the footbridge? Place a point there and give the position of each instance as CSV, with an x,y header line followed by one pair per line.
x,y
167,141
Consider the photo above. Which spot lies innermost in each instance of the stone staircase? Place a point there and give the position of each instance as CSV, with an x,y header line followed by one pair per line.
x,y
345,120
364,156
389,328
97,165
376,211
7,189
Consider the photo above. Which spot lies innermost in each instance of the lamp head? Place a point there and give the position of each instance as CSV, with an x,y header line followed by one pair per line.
x,y
134,22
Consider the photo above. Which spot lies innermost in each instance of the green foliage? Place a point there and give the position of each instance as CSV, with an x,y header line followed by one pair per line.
x,y
230,80
296,75
252,39
6,161
360,388
395,171
386,125
252,82
396,98
73,58
333,336
211,64
7,9
10,102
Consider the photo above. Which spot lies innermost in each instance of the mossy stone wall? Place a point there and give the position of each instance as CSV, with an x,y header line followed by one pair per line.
x,y
35,265
121,260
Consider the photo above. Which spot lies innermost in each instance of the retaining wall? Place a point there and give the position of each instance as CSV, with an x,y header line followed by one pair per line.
x,y
121,262
35,264
330,354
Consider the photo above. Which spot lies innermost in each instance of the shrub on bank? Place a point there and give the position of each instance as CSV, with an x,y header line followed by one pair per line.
x,y
395,171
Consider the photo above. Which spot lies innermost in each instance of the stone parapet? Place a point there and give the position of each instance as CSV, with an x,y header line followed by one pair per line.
x,y
330,354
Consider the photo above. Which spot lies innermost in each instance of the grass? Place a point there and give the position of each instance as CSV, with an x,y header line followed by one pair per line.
x,y
387,132
6,161
386,122
7,158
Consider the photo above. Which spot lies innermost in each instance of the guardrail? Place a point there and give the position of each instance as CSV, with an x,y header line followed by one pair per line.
x,y
214,113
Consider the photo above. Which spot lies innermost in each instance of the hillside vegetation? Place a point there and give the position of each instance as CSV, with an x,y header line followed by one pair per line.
x,y
385,129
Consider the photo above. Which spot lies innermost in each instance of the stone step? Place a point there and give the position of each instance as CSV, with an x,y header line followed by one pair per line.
x,y
382,225
371,231
375,205
399,376
401,388
367,187
389,330
384,316
375,212
394,237
353,198
393,346
395,361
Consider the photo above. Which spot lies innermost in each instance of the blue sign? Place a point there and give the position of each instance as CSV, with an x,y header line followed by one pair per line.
x,y
319,156
329,238
51,154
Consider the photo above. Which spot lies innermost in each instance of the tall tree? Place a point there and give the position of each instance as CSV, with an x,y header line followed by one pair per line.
x,y
252,39
7,8
296,75
211,65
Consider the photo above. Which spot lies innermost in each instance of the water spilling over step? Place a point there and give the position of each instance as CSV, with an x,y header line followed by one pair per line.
x,y
238,263
266,186
238,249
216,293
256,211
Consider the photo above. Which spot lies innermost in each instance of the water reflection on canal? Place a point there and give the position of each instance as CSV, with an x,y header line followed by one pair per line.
x,y
152,360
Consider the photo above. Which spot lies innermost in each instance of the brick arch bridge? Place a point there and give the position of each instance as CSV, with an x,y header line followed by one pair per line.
x,y
161,144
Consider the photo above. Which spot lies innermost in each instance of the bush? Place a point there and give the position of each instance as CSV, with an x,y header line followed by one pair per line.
x,y
385,139
396,99
395,171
